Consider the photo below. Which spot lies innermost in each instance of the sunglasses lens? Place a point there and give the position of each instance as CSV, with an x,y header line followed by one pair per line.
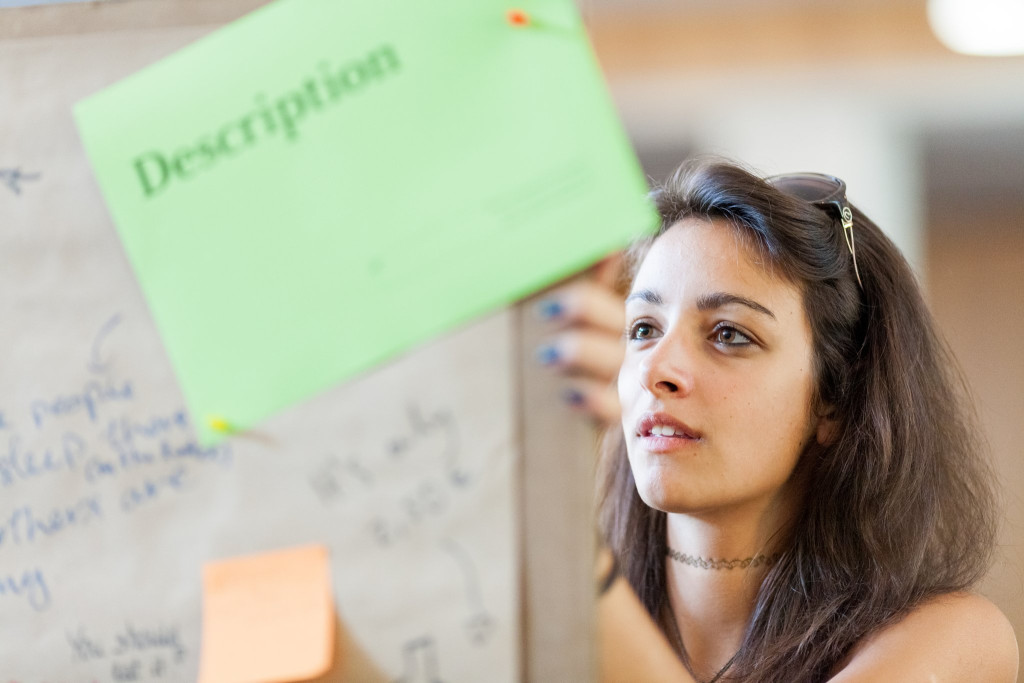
x,y
810,187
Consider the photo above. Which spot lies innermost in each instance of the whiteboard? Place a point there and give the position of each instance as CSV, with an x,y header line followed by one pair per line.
x,y
108,507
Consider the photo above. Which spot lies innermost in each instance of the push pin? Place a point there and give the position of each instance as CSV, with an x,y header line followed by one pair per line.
x,y
220,424
518,17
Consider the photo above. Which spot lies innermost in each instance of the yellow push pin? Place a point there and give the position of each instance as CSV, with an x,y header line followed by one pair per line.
x,y
219,424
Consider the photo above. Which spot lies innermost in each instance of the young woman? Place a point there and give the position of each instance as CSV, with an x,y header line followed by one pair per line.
x,y
796,492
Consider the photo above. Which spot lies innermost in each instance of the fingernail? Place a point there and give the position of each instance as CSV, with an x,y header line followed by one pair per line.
x,y
572,397
549,309
547,355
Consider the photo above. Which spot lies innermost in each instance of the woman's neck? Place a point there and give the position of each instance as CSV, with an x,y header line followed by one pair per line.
x,y
712,603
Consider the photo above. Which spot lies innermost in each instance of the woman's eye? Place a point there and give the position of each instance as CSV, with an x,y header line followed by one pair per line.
x,y
730,336
641,330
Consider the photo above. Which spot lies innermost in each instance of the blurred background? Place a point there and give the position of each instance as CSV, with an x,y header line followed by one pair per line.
x,y
929,141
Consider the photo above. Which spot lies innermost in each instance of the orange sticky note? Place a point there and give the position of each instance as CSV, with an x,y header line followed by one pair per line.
x,y
268,617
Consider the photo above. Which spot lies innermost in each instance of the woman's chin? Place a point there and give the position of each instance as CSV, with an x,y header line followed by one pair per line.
x,y
666,500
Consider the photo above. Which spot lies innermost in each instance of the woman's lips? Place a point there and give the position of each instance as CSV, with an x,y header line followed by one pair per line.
x,y
651,423
661,433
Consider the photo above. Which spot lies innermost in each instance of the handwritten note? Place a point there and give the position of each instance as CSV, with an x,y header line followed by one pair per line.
x,y
395,164
268,617
111,459
109,504
132,652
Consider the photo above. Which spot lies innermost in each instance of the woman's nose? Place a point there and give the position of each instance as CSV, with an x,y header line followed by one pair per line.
x,y
667,368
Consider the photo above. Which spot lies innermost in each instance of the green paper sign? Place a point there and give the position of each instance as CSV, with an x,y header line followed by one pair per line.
x,y
321,185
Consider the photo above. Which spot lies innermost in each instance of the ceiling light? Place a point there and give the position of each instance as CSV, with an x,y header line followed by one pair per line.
x,y
979,27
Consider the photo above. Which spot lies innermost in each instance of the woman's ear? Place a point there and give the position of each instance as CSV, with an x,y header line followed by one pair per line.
x,y
828,427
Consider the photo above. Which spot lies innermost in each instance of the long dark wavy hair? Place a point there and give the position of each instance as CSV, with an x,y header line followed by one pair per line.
x,y
900,503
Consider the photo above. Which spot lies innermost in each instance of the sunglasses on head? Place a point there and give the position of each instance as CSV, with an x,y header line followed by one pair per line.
x,y
827,193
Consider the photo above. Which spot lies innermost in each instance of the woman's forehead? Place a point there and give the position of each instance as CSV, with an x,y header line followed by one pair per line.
x,y
715,251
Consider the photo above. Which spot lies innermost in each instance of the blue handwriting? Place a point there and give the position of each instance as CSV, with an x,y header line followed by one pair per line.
x,y
131,441
93,395
124,430
21,464
30,584
152,488
25,525
220,454
96,364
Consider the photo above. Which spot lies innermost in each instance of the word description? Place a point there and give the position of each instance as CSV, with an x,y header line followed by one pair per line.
x,y
281,114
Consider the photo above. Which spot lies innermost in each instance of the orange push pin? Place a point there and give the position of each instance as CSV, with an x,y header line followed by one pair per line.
x,y
517,17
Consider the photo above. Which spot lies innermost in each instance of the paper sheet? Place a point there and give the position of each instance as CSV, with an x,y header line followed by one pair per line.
x,y
323,184
109,507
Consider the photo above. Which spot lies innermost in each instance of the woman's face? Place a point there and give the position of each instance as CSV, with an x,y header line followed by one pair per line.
x,y
717,383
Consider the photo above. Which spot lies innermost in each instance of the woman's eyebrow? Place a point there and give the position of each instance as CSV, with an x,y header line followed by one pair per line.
x,y
647,295
708,302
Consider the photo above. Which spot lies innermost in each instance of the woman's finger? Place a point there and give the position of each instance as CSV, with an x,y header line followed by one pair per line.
x,y
608,272
597,399
592,352
586,303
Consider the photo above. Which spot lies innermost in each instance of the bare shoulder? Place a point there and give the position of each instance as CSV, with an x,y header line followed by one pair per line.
x,y
954,637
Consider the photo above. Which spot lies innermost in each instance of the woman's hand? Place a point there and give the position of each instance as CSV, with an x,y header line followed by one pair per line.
x,y
586,342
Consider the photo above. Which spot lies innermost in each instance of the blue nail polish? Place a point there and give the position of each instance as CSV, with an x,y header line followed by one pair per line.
x,y
549,309
573,397
547,355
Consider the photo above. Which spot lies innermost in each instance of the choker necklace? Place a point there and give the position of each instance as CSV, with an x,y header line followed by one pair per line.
x,y
701,563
